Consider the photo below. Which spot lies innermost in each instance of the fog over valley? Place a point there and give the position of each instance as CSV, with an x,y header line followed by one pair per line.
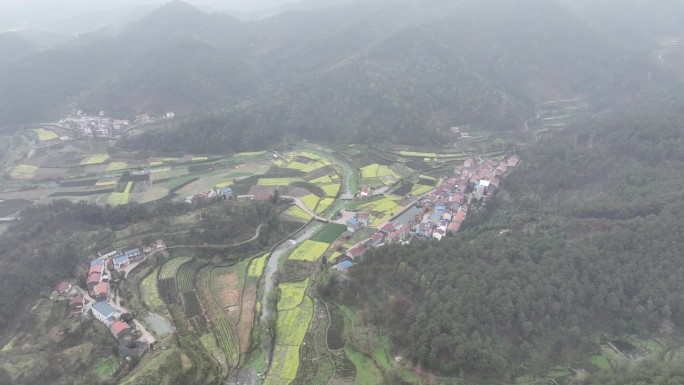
x,y
341,192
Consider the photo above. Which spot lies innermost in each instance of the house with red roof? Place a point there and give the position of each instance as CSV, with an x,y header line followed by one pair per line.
x,y
93,279
453,227
76,305
460,216
63,287
513,161
377,240
355,251
388,228
121,330
101,291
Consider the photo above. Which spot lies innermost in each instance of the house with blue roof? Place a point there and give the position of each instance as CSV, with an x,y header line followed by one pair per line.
x,y
97,262
352,224
133,253
105,313
344,266
121,261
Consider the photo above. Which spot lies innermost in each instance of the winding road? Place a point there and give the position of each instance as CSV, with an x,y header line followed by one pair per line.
x,y
256,235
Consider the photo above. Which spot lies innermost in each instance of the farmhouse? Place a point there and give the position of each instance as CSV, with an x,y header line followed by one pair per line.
x,y
356,251
104,313
93,279
100,291
106,253
120,330
344,266
133,253
63,287
513,161
97,261
376,240
121,262
76,305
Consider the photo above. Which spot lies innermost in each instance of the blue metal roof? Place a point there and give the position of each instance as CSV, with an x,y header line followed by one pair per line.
x,y
353,221
96,262
133,251
227,190
120,259
104,308
440,208
346,265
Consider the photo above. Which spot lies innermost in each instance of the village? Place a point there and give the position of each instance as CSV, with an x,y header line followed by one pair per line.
x,y
102,126
103,303
440,212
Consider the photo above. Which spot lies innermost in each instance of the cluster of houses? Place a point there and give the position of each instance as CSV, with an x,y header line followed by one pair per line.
x,y
443,209
214,193
101,126
97,283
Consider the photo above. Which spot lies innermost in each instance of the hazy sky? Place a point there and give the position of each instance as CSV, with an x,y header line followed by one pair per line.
x,y
17,13
87,5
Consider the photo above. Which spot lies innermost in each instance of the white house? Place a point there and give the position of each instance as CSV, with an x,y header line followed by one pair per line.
x,y
104,313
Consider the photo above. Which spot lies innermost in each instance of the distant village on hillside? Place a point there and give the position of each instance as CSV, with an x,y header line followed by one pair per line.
x,y
102,126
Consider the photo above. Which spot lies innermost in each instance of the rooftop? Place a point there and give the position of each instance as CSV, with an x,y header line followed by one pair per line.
x,y
120,259
119,326
104,308
98,261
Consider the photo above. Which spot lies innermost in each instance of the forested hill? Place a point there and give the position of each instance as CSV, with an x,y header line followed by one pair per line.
x,y
580,242
359,71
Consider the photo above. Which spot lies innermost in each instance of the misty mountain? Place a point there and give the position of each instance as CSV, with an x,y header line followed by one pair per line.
x,y
359,70
14,46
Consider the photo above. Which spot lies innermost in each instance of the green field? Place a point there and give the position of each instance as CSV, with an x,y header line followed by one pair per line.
x,y
366,371
331,190
292,324
329,234
171,267
309,251
298,213
277,181
116,166
285,365
601,361
291,294
45,135
310,201
149,291
116,199
257,266
94,159
324,204
24,171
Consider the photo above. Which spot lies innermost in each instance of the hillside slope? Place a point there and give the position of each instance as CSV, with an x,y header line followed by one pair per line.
x,y
358,71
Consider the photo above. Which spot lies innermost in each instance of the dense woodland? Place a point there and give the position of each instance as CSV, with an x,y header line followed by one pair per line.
x,y
592,245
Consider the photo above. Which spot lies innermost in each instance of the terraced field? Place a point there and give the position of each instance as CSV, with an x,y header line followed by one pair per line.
x,y
45,135
292,324
309,251
150,293
171,267
291,294
310,201
257,266
94,159
329,234
24,171
297,213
